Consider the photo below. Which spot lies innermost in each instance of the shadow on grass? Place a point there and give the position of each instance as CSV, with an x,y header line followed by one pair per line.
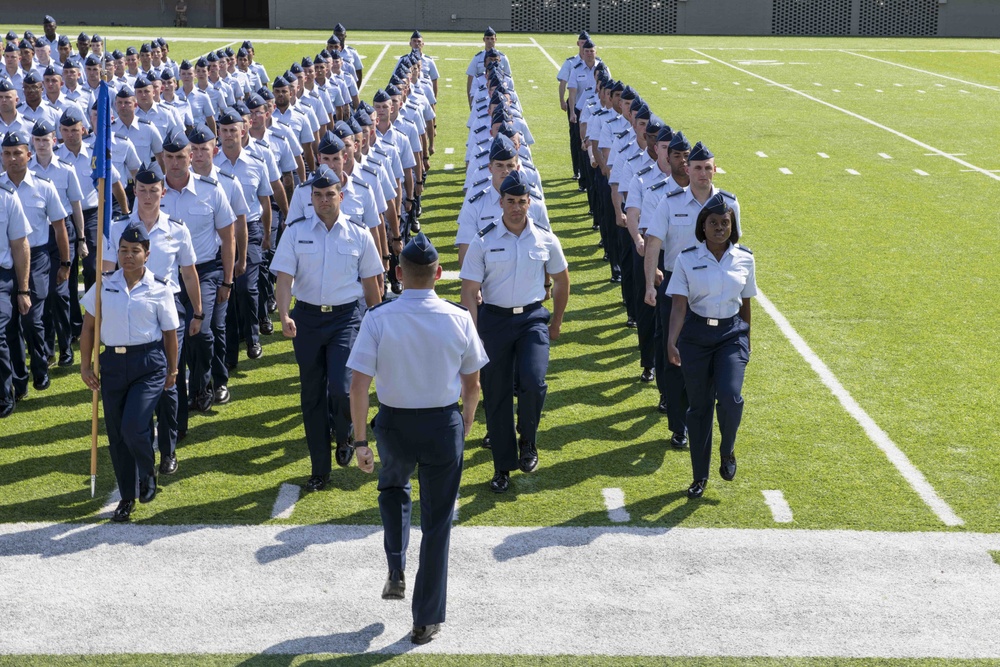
x,y
348,643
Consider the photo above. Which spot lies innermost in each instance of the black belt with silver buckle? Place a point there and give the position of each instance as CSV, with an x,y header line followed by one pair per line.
x,y
418,411
133,349
326,309
711,321
513,311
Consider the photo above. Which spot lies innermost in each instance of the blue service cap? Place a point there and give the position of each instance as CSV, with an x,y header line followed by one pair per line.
x,y
230,116
679,142
420,250
176,142
502,148
330,144
71,116
15,138
392,90
355,125
584,36
255,101
362,117
380,96
717,204
134,233
280,82
343,130
201,135
51,71
30,78
489,32
131,51
700,152
42,128
515,184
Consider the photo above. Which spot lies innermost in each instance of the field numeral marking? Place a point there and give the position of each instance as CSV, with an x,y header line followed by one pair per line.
x,y
785,170
780,509
614,500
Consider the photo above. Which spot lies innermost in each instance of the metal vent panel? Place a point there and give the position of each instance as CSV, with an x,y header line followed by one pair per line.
x,y
570,16
657,17
898,18
811,17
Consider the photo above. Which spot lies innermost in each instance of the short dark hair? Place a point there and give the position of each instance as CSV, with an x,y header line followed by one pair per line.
x,y
422,273
699,225
144,243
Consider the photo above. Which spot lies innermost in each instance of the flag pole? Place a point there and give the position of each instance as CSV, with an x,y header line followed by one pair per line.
x,y
102,177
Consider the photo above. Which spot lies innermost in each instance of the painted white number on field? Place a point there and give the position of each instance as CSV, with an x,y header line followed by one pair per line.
x,y
684,61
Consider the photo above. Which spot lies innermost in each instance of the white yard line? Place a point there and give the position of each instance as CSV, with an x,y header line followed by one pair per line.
x,y
761,154
614,500
823,155
885,156
110,504
448,166
779,507
449,151
369,71
909,472
283,589
853,172
449,275
544,52
853,115
922,71
920,172
284,504
785,170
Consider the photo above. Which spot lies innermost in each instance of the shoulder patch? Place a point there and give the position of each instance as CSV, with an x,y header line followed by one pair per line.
x,y
694,247
645,170
209,180
739,246
728,195
487,229
675,192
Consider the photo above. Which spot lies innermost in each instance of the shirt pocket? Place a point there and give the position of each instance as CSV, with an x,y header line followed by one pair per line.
x,y
350,257
539,255
499,256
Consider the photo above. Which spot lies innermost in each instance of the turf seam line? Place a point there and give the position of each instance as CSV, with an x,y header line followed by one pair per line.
x,y
922,71
853,115
780,509
909,472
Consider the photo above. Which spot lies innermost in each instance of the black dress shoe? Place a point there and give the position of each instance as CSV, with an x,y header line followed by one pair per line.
x,y
317,482
345,450
255,351
500,482
123,513
425,633
20,395
616,278
168,465
679,440
203,401
662,407
631,323
266,326
728,468
647,375
595,225
147,489
697,488
486,442
581,188
415,227
221,396
6,409
528,460
66,361
272,305
395,586
42,383
397,287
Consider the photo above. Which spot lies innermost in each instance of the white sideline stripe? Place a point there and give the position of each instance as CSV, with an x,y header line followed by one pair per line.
x,y
853,115
369,71
785,170
923,71
823,155
449,166
921,172
885,155
614,500
774,592
881,439
449,151
284,504
110,504
853,172
780,509
544,52
449,275
761,154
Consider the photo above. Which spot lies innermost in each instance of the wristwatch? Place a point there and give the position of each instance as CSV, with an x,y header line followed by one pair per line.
x,y
198,317
24,292
66,264
360,443
226,285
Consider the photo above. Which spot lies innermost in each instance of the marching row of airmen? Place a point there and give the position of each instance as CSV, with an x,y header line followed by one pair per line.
x,y
685,285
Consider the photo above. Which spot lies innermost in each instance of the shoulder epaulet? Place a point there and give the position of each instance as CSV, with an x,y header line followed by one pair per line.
x,y
119,218
379,305
637,155
357,181
541,226
256,157
480,129
487,229
305,184
483,166
743,247
162,281
261,142
359,223
483,153
227,175
210,180
660,184
295,220
457,305
675,192
6,187
145,122
107,273
728,195
370,171
622,134
474,198
694,247
645,170
284,123
480,182
175,221
66,162
380,152
576,65
42,178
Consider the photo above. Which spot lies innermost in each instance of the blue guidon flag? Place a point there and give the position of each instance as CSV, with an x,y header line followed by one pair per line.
x,y
102,154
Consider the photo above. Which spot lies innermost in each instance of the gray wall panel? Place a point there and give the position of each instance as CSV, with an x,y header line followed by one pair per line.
x,y
470,15
724,17
71,13
969,18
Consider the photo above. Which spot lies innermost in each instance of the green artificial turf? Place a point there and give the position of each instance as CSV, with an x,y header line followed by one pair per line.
x,y
888,276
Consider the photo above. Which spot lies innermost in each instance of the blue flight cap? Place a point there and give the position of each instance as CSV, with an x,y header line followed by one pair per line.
x,y
618,87
48,19
700,152
25,44
96,39
679,142
6,86
147,175
202,62
11,36
247,44
211,57
364,120
502,148
515,184
241,108
628,93
295,69
71,64
92,61
416,35
380,96
141,82
589,45
491,53
280,82
42,128
176,142
265,93
134,233
325,179
131,51
42,41
145,48
420,250
717,204
339,29
30,78
15,138
10,48
230,116
51,71
71,116
335,55
229,52
507,130
392,90
330,144
343,130
255,101
355,125
185,64
584,37
117,55
242,53
643,113
654,126
489,32
167,74
83,37
635,104
201,135
63,41
333,40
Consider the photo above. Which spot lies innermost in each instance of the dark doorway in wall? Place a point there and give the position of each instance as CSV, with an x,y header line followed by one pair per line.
x,y
245,14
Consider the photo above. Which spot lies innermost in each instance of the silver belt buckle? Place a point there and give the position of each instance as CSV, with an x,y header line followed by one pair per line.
x,y
119,350
710,322
326,309
518,310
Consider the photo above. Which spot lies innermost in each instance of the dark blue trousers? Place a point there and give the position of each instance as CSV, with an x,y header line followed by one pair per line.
x,y
89,270
168,407
131,385
200,348
322,344
56,318
26,332
432,443
669,378
626,248
713,360
8,291
515,344
242,323
574,143
645,315
606,212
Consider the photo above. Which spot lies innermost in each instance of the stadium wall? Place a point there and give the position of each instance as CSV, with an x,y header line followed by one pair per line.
x,y
74,17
